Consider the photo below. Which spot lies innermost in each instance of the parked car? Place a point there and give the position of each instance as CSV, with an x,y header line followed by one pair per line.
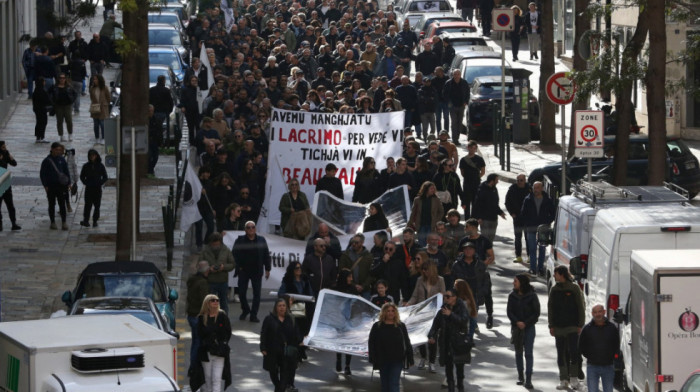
x,y
682,166
120,279
154,70
167,17
140,307
485,91
161,34
462,41
437,28
165,55
462,54
180,8
413,10
427,19
482,65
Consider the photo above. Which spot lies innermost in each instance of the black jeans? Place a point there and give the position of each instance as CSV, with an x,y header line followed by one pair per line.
x,y
93,198
283,374
449,372
469,197
256,282
431,354
518,233
153,153
42,119
208,219
567,355
56,193
515,44
7,198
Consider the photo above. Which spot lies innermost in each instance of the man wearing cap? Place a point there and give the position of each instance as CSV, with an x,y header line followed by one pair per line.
x,y
330,182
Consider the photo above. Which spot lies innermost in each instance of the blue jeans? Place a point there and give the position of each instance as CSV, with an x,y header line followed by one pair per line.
x,y
442,114
194,358
256,281
390,376
535,252
605,373
221,291
98,127
472,326
528,343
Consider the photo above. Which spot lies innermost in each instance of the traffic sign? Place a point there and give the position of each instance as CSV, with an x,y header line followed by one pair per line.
x,y
561,89
503,20
589,134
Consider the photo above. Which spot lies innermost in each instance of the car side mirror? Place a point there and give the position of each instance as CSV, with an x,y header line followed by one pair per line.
x,y
544,235
174,334
66,298
575,266
619,316
173,296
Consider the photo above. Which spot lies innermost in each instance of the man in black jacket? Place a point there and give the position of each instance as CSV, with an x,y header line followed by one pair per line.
x,y
599,342
98,52
330,182
427,60
456,93
514,202
162,100
190,106
252,256
486,208
537,209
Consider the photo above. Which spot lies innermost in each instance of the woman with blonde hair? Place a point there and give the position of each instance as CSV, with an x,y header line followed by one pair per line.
x,y
390,347
518,29
214,330
428,285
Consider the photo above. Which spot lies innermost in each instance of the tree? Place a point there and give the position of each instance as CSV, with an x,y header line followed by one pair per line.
x,y
656,91
582,23
134,112
547,124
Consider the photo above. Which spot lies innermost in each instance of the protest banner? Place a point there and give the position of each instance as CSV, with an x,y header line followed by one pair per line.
x,y
342,322
302,143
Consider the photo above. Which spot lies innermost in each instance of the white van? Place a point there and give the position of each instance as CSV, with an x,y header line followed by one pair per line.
x,y
87,354
660,338
575,215
619,231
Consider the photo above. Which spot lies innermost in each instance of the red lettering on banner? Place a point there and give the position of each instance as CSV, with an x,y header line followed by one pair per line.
x,y
327,137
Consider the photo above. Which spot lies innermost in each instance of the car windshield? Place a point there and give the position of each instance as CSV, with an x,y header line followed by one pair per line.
x,y
164,37
488,89
170,59
692,385
459,42
676,148
429,6
475,71
154,73
124,285
167,19
455,29
139,314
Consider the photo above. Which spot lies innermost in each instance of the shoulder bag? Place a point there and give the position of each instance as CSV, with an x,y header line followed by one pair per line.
x,y
96,108
62,178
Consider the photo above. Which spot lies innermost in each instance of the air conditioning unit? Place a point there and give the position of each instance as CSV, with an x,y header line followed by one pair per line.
x,y
98,360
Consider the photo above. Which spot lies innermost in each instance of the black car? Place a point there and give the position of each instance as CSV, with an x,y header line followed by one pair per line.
x,y
485,92
125,279
681,168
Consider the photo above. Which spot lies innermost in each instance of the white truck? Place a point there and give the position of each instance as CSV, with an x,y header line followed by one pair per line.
x,y
575,214
660,320
86,353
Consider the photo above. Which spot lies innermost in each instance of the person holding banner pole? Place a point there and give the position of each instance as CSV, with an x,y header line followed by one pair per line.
x,y
390,347
292,202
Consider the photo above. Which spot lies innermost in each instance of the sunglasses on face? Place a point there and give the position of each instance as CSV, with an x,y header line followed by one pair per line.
x,y
214,300
389,248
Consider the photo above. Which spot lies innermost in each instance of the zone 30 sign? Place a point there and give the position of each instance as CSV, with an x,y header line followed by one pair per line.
x,y
589,133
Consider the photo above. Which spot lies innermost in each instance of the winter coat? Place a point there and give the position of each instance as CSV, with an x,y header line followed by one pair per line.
x,y
365,187
445,329
363,265
529,215
252,256
486,203
216,258
101,96
63,95
475,274
436,213
422,292
274,336
322,271
523,307
384,345
514,201
197,289
93,174
285,206
565,308
599,343
220,332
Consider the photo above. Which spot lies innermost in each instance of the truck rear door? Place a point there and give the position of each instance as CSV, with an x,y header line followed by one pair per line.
x,y
679,337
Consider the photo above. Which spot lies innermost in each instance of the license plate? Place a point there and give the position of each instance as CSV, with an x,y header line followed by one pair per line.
x,y
690,165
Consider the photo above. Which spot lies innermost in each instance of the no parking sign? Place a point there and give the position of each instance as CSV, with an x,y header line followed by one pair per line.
x,y
503,19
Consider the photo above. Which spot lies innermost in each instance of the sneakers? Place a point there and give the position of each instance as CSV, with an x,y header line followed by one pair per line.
x,y
63,139
574,383
53,226
431,367
236,298
45,141
518,259
64,226
70,137
563,385
421,364
489,322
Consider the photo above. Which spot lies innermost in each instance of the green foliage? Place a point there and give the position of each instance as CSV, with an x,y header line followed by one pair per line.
x,y
79,14
125,46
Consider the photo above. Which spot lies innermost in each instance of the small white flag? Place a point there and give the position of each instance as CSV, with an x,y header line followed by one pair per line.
x,y
192,192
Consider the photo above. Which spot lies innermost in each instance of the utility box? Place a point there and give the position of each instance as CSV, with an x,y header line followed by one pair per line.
x,y
519,105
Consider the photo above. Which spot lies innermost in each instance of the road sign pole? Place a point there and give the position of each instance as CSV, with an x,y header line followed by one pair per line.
x,y
590,169
503,73
562,191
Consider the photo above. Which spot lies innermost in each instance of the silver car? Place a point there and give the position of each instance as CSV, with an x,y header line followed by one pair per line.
x,y
413,10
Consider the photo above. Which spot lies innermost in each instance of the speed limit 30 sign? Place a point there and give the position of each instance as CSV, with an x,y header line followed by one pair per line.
x,y
589,134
